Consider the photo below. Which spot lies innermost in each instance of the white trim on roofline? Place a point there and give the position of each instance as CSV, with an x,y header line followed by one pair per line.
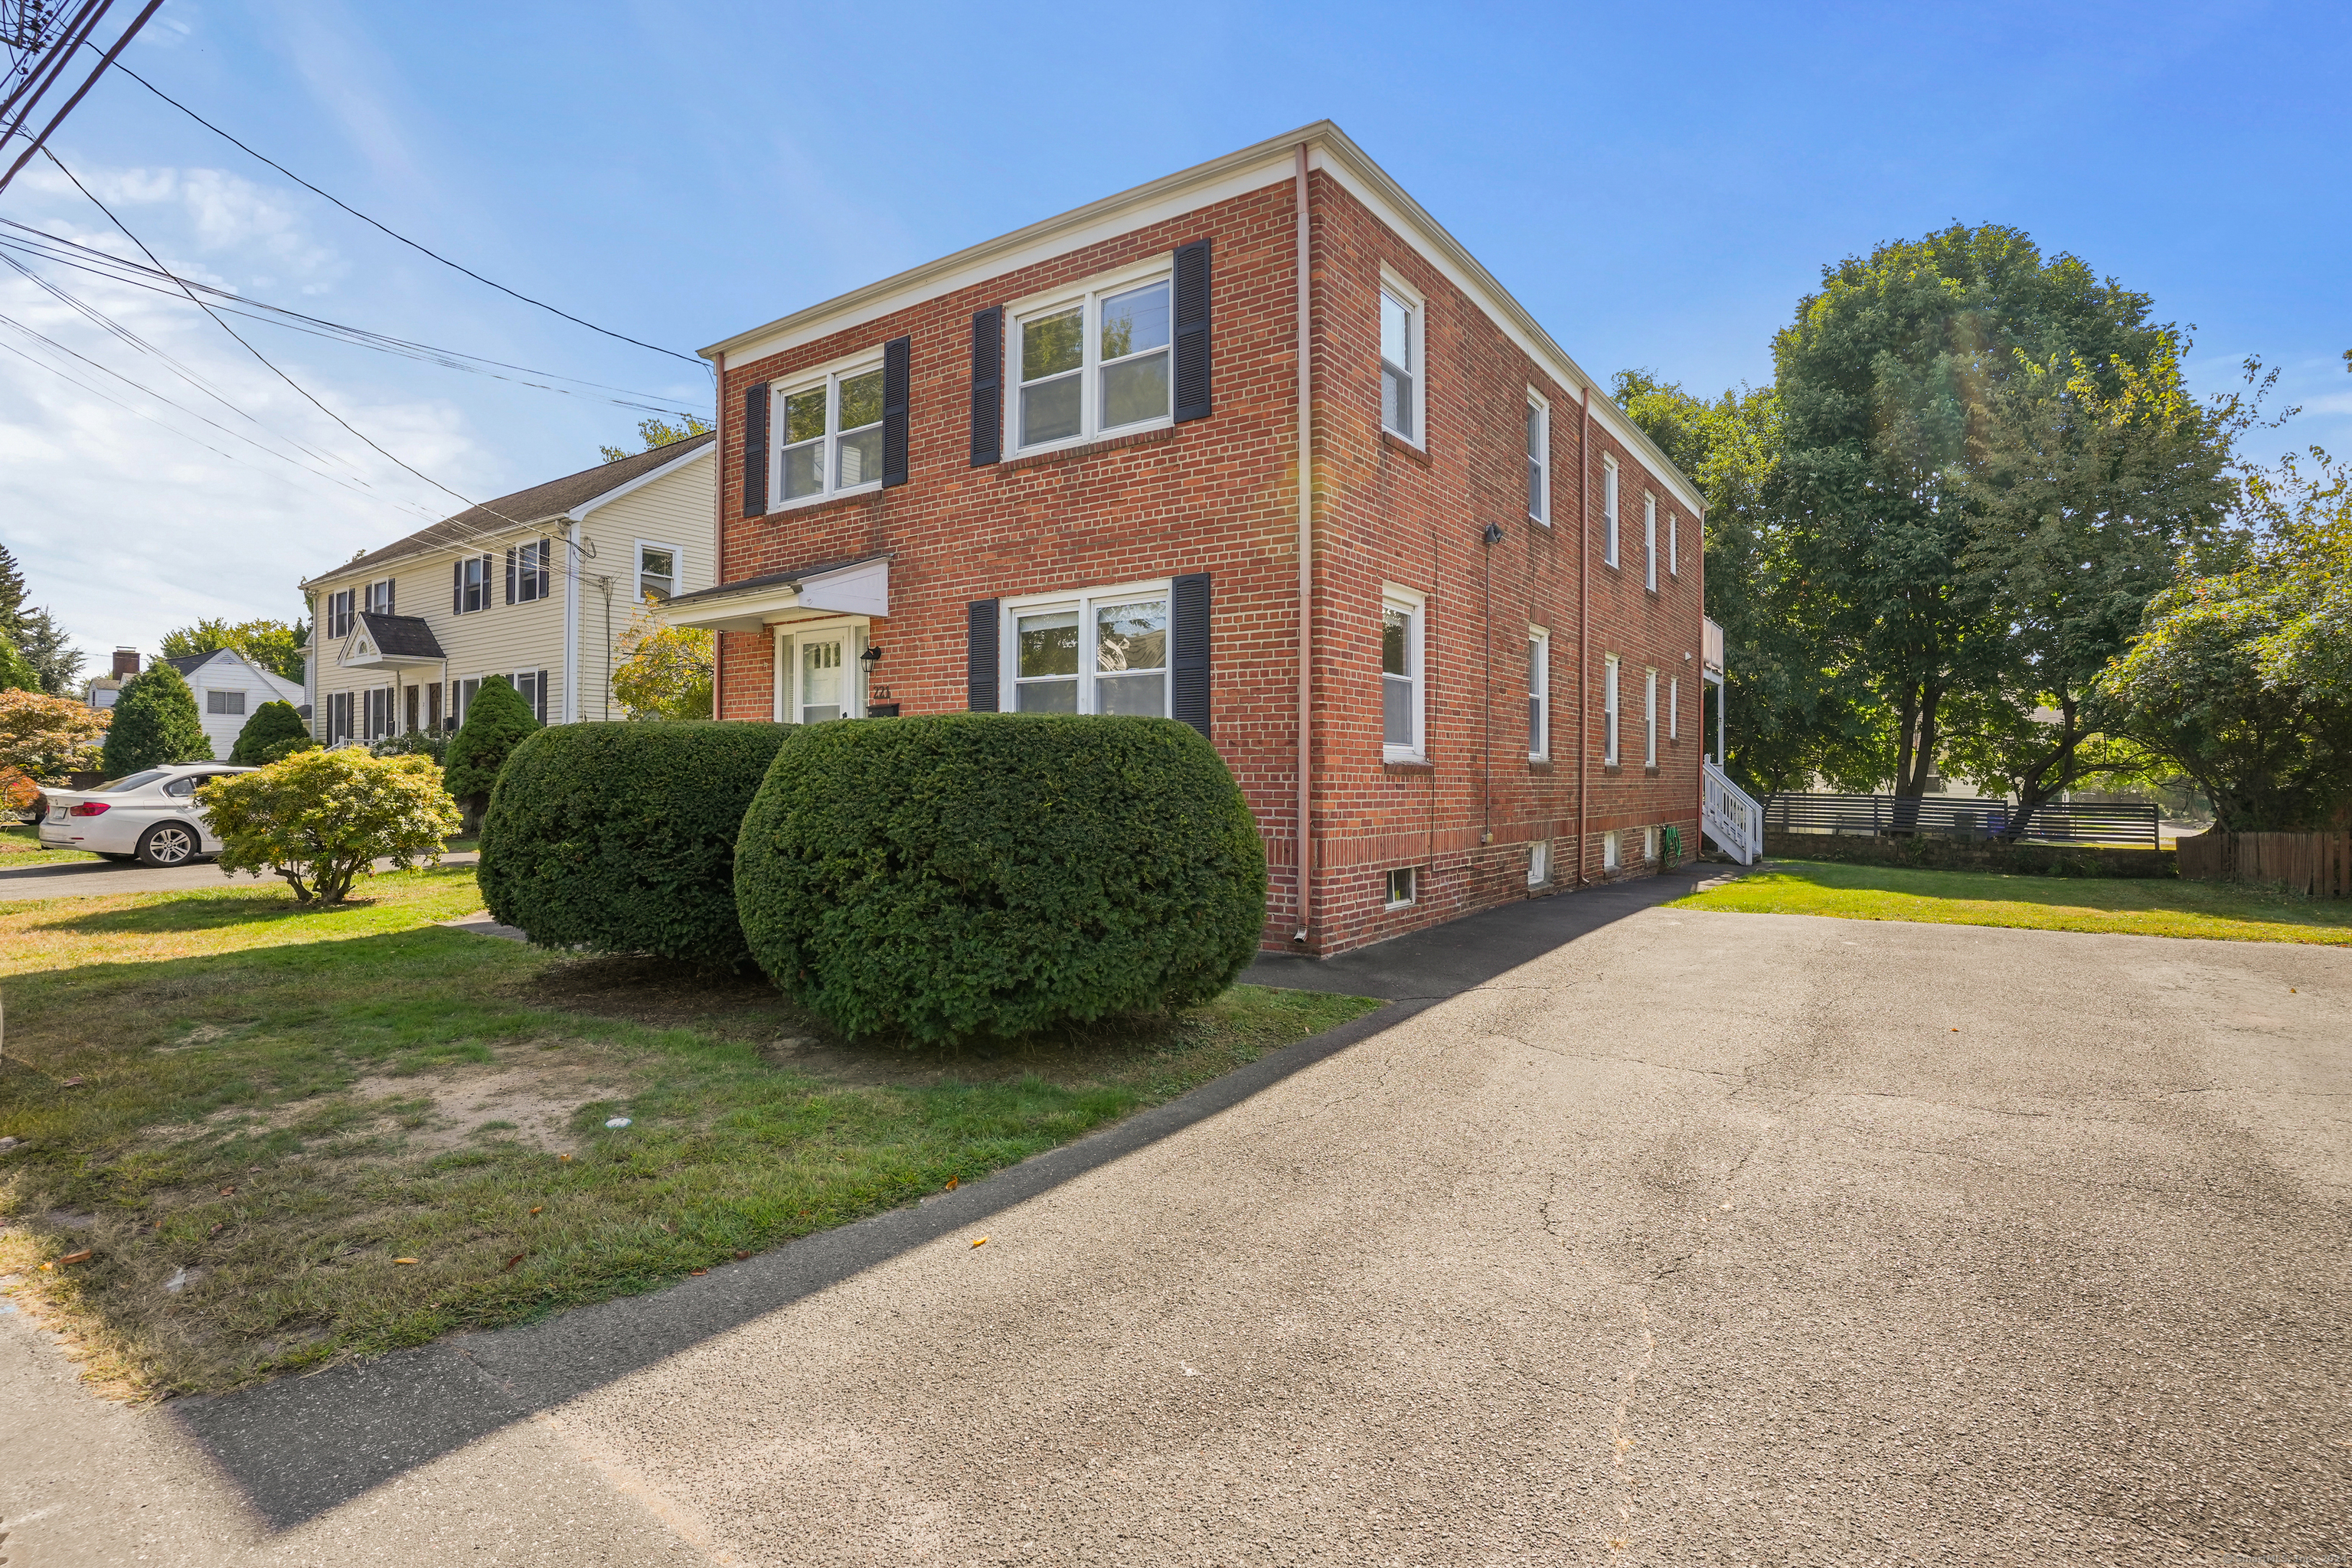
x,y
1266,163
580,513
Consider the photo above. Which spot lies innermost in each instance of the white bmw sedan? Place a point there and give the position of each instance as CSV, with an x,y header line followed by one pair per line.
x,y
150,817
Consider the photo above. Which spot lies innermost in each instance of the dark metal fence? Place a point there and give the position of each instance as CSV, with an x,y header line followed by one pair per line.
x,y
1961,816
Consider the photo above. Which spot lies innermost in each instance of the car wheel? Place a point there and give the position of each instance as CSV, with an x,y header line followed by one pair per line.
x,y
168,844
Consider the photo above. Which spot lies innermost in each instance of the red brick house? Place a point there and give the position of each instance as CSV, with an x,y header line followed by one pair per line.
x,y
1061,471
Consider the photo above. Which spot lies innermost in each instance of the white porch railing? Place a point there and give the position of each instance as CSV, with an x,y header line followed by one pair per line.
x,y
1730,815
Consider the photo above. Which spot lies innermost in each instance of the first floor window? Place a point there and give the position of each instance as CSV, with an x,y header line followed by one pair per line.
x,y
1609,851
338,717
833,435
378,712
1103,653
1404,886
1539,688
1650,717
461,700
223,701
1675,709
1539,862
1609,711
656,573
1400,363
1401,660
532,685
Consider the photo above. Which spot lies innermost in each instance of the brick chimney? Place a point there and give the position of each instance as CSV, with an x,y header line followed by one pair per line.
x,y
126,663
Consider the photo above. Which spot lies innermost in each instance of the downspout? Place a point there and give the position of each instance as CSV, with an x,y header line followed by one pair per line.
x,y
718,548
1583,628
1305,849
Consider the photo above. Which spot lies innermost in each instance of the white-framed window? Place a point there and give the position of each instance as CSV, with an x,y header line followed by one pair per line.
x,y
532,685
1097,363
1650,717
379,597
1649,844
223,701
1609,854
1609,509
1539,863
1403,691
1538,693
830,430
1609,710
338,717
1404,887
461,698
1673,544
473,585
1101,651
1675,709
532,576
657,571
1538,459
1402,393
339,613
1650,542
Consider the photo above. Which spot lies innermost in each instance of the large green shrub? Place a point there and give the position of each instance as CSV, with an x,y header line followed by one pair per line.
x,y
992,874
321,819
155,723
272,724
496,721
621,838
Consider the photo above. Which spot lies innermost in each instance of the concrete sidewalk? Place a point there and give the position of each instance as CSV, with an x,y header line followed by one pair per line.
x,y
96,879
1689,1237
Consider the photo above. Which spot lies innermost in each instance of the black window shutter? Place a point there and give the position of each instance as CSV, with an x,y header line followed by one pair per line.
x,y
542,697
546,572
985,671
511,574
1192,332
987,389
897,355
755,450
457,586
1188,660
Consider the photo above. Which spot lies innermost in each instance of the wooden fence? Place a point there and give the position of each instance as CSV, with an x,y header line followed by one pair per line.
x,y
2319,864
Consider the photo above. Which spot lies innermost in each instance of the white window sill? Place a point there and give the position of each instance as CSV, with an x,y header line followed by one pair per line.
x,y
1402,754
798,503
1406,905
1093,438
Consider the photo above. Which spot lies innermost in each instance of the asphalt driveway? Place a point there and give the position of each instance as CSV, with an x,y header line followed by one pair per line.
x,y
1683,1239
93,878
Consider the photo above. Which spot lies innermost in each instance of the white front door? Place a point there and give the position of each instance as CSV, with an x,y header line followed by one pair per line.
x,y
820,679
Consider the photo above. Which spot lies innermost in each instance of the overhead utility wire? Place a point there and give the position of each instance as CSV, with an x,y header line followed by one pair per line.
x,y
91,80
273,369
42,74
118,269
623,337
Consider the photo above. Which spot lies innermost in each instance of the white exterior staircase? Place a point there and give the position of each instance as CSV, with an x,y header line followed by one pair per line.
x,y
1730,815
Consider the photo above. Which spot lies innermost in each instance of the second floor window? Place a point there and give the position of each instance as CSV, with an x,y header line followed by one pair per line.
x,y
379,597
527,571
656,573
339,613
471,590
1539,463
831,435
1650,542
1400,364
1609,509
1095,364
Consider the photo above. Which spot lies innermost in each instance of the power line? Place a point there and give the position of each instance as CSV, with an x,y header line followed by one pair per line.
x,y
32,99
623,337
265,360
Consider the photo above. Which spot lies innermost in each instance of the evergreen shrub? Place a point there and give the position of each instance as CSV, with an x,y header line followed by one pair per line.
x,y
155,725
496,721
621,836
272,725
963,874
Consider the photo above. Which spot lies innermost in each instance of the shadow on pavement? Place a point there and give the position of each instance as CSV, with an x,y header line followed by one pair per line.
x,y
302,1446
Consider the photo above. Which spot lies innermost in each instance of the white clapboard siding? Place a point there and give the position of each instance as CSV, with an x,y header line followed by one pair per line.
x,y
230,671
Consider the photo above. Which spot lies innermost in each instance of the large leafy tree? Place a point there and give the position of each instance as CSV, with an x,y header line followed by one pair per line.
x,y
273,645
658,433
17,672
664,671
1889,382
155,723
34,634
1792,714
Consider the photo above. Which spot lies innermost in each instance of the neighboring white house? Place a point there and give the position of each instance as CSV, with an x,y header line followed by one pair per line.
x,y
229,687
538,586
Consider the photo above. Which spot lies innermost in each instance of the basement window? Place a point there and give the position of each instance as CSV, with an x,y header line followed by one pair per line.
x,y
1539,863
1404,886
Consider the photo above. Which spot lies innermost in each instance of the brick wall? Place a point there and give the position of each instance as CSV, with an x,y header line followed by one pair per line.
x,y
1218,496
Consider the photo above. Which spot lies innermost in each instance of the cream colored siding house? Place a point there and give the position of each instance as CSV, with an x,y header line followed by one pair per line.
x,y
538,586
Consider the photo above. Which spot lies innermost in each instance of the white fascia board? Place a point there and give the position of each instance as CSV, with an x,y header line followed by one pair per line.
x,y
478,542
580,513
1252,168
862,589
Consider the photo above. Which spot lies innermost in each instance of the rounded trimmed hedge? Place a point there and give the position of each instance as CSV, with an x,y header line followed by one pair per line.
x,y
620,837
963,874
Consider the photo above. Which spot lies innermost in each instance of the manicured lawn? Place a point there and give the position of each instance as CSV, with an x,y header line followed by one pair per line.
x,y
249,1113
2149,907
20,845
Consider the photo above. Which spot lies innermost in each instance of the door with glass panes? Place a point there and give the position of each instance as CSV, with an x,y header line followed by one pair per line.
x,y
818,676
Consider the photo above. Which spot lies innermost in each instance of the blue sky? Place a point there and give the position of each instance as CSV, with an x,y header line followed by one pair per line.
x,y
1659,185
